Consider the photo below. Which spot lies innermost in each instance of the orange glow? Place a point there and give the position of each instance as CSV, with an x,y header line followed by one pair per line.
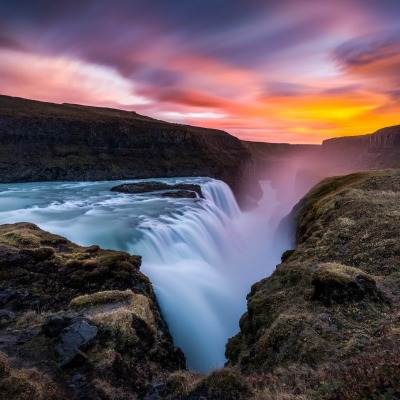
x,y
215,95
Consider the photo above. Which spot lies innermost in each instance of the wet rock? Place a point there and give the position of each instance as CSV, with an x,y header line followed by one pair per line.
x,y
179,190
72,340
180,194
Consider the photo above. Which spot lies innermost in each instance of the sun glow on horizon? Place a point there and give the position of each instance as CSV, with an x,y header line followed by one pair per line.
x,y
268,73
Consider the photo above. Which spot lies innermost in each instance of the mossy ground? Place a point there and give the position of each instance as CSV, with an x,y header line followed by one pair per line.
x,y
332,308
45,276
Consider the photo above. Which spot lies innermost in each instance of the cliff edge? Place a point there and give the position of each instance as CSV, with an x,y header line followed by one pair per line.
x,y
326,323
377,150
77,322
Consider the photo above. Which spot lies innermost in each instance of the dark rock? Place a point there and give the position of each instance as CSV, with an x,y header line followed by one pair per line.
x,y
142,331
78,380
8,339
10,296
73,339
26,337
180,190
286,255
54,325
7,315
77,377
141,187
157,391
335,327
180,194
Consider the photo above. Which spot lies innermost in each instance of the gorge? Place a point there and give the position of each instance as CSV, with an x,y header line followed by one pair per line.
x,y
202,255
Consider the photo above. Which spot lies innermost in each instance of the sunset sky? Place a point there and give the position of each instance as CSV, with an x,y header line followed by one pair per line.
x,y
296,71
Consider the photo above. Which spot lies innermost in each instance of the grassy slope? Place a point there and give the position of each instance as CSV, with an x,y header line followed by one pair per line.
x,y
326,323
48,276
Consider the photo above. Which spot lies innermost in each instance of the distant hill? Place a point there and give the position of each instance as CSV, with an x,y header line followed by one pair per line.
x,y
67,142
380,149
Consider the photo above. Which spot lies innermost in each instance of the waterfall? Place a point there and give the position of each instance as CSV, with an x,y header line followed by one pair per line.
x,y
202,255
189,260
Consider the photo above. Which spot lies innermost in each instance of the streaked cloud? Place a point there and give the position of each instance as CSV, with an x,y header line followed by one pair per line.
x,y
263,70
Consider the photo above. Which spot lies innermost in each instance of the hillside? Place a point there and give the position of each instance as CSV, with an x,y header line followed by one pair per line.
x,y
76,322
57,142
377,150
325,324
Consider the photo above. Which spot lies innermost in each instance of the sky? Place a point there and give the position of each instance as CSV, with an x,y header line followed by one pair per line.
x,y
295,71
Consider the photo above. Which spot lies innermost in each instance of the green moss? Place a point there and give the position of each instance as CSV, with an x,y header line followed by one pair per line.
x,y
286,255
318,200
27,384
226,383
181,383
340,274
101,298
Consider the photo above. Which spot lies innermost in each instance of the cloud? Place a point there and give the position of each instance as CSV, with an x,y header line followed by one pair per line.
x,y
62,79
251,67
8,42
372,60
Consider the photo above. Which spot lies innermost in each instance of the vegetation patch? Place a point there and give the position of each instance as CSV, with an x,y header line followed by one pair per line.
x,y
337,283
101,298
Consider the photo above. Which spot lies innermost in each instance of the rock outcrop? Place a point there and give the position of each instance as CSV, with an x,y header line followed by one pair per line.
x,y
378,150
179,190
66,142
77,322
325,324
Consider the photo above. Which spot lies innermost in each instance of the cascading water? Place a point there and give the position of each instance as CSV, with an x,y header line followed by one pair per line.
x,y
202,255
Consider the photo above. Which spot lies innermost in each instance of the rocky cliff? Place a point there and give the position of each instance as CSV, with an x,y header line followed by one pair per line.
x,y
325,324
56,142
380,149
77,322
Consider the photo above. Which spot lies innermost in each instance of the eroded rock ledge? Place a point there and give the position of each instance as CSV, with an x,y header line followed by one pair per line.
x,y
76,322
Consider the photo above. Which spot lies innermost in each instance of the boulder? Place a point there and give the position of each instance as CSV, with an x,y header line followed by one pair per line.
x,y
335,283
53,326
73,339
